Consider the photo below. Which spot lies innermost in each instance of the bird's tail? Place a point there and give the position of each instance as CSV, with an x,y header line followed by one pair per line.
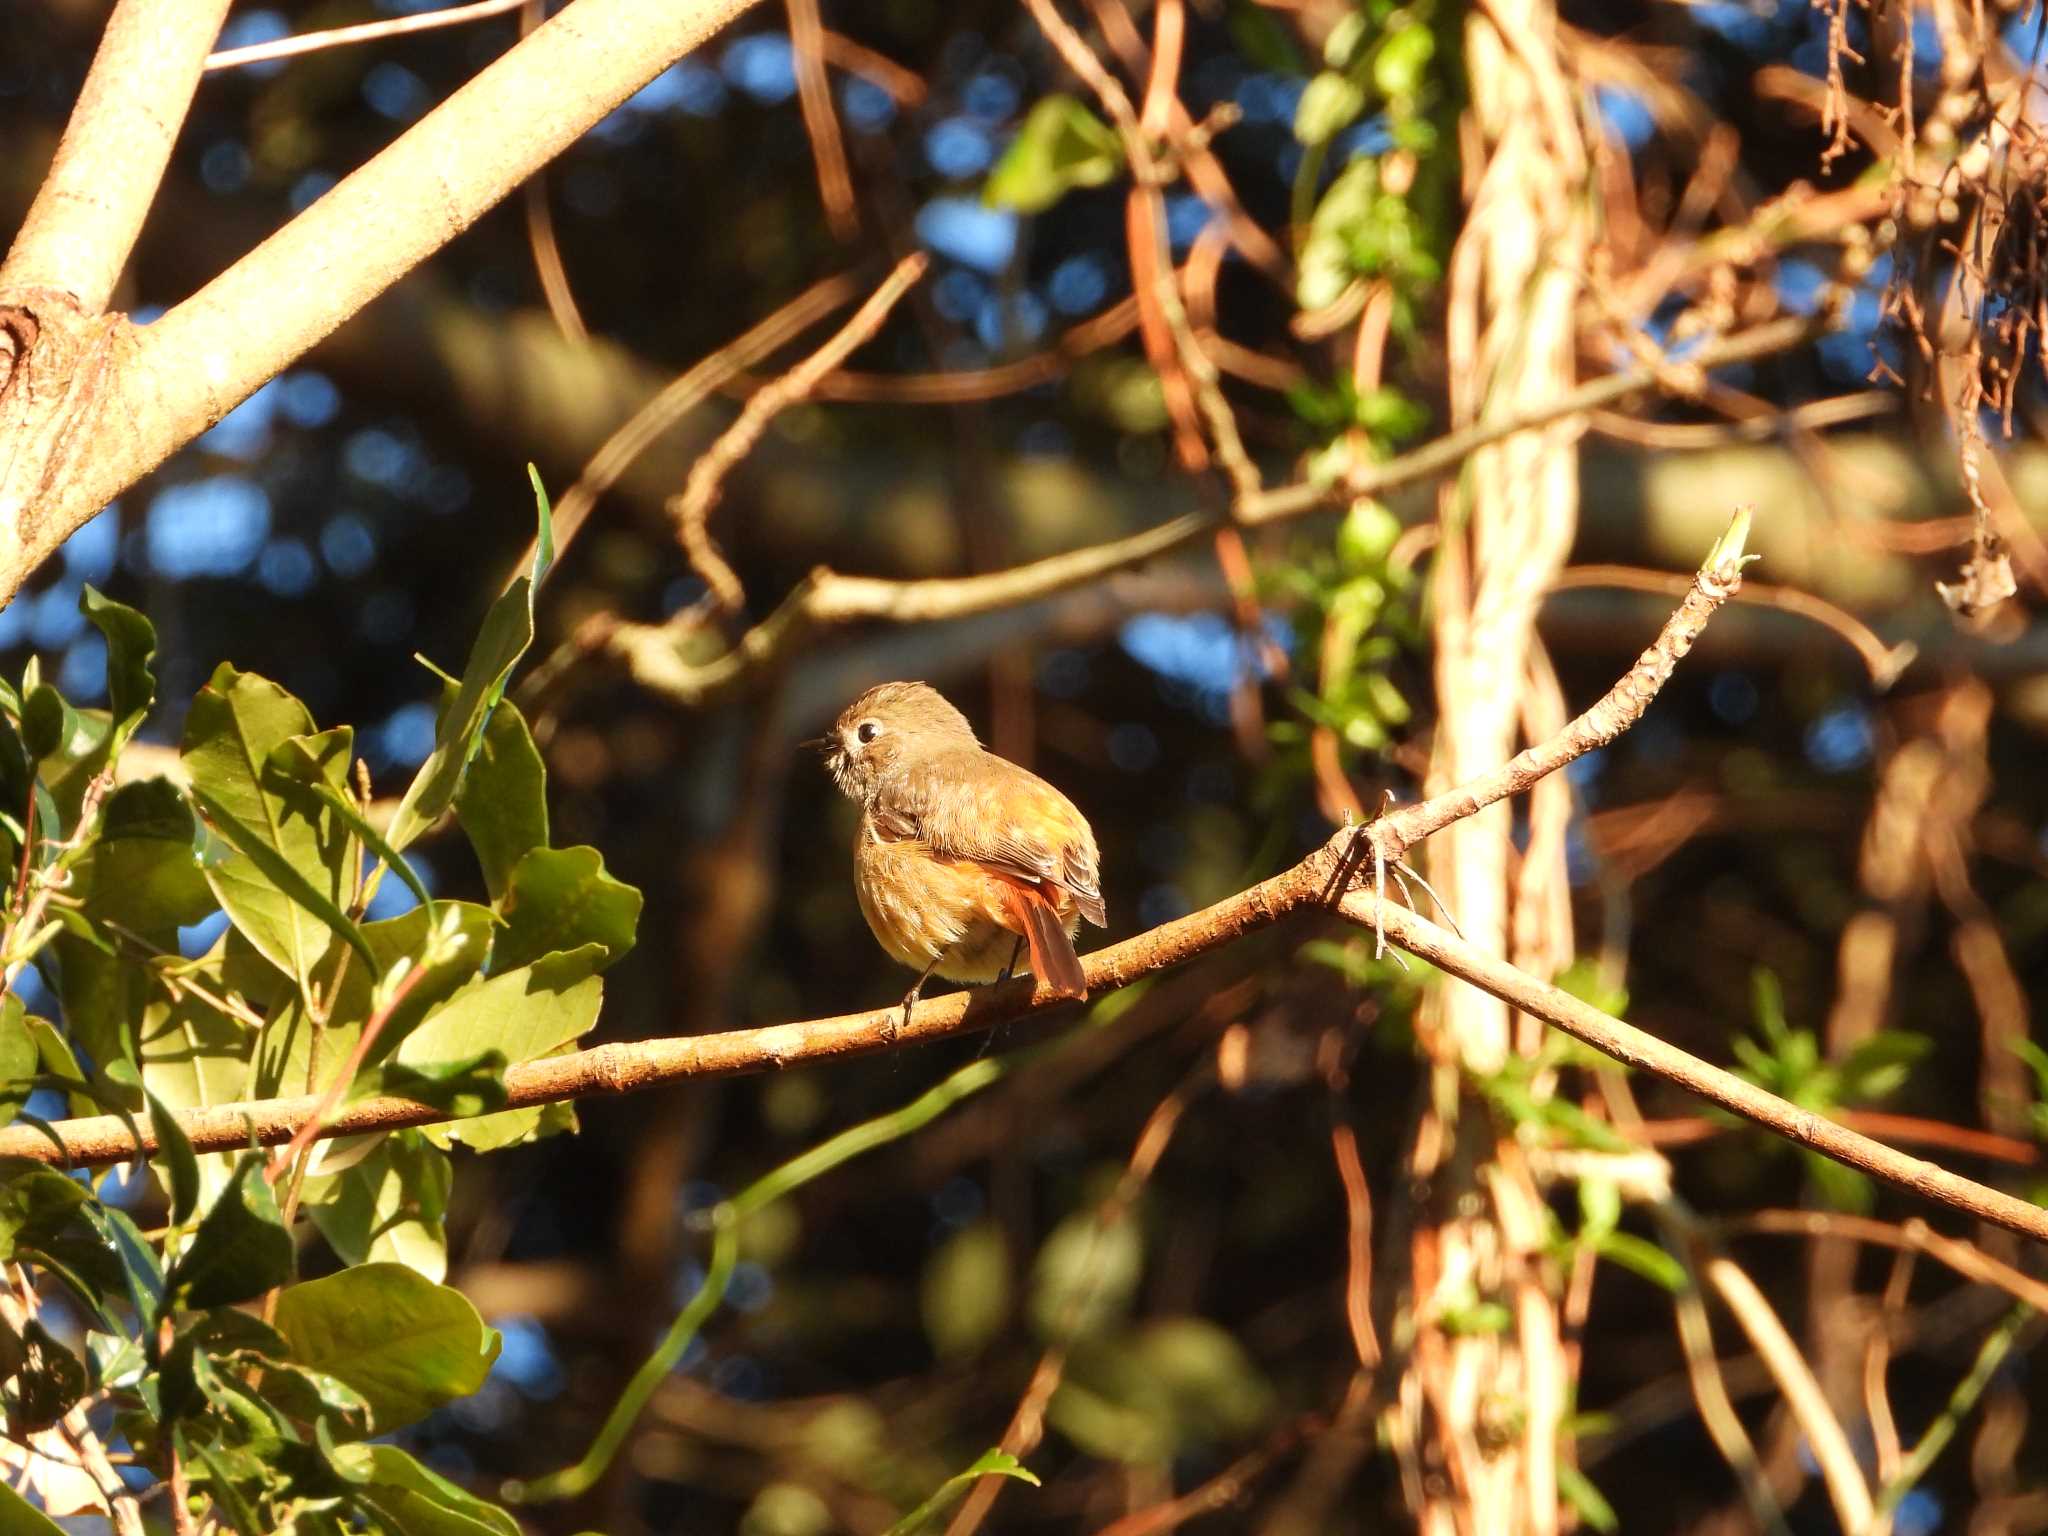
x,y
1053,959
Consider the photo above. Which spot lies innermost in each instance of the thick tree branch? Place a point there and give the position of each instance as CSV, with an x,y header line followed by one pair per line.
x,y
1321,882
625,1067
91,205
180,375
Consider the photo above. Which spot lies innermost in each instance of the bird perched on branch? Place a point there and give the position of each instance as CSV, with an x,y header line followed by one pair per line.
x,y
964,860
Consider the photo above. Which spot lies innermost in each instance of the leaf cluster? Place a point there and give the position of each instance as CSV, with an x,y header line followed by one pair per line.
x,y
267,837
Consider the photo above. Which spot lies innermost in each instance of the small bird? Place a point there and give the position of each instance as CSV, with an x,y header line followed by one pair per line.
x,y
963,858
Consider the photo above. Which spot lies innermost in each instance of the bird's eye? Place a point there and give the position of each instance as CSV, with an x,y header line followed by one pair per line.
x,y
867,732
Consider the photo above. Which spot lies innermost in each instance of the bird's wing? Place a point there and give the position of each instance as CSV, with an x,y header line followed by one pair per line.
x,y
999,815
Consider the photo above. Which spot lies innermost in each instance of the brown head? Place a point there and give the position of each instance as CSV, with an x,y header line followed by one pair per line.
x,y
891,725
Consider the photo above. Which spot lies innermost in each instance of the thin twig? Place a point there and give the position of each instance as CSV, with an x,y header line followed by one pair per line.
x,y
905,87
676,400
540,232
700,494
1990,1355
1717,1411
1914,1235
1358,1229
1027,1424
827,598
1877,1358
1883,662
302,1142
1825,1436
821,122
1313,884
1450,450
366,32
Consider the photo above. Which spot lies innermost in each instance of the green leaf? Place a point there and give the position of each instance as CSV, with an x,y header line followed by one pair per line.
x,y
965,1295
47,721
414,1499
475,1086
407,1344
1085,1276
507,632
291,872
194,1057
222,1475
47,1382
1061,145
1325,267
282,878
175,1155
1477,1317
137,883
424,965
1645,1258
218,1331
528,1013
18,1057
2037,1062
141,1272
993,1463
240,1248
561,899
1212,1391
71,747
313,1397
35,1204
503,802
1330,104
296,775
1577,1490
1599,1207
1767,1000
18,1517
131,647
389,1206
1880,1063
1397,67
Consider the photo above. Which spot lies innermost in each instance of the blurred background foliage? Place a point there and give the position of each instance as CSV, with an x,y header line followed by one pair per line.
x,y
880,1326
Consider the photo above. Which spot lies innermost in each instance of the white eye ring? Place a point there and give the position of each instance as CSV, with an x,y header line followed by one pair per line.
x,y
866,732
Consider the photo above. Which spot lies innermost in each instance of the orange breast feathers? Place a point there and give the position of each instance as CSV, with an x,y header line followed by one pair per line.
x,y
999,856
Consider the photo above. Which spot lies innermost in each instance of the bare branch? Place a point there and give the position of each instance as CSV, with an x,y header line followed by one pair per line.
x,y
676,400
1621,706
707,476
626,1067
1453,448
366,32
1319,882
1803,1395
91,205
182,374
827,598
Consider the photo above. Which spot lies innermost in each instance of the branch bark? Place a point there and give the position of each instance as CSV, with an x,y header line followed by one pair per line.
x,y
172,380
827,599
1322,882
91,205
627,1066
